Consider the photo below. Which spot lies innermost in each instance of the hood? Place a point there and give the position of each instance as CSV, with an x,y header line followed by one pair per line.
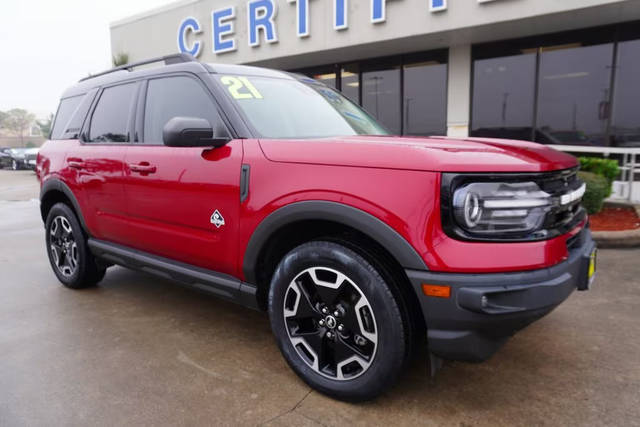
x,y
438,154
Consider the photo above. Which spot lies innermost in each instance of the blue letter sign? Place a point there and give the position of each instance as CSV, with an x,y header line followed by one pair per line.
x,y
222,20
340,15
437,5
260,16
302,17
378,11
188,25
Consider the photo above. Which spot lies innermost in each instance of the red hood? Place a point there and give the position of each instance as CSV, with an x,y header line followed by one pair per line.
x,y
439,154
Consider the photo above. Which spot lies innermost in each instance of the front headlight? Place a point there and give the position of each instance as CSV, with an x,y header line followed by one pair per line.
x,y
511,207
500,207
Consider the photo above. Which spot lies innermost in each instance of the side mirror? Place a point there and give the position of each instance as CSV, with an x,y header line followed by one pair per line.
x,y
190,132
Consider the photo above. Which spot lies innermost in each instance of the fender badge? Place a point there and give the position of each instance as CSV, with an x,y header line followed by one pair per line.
x,y
217,219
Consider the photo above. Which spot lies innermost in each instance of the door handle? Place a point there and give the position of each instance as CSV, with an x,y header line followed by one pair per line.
x,y
142,167
75,163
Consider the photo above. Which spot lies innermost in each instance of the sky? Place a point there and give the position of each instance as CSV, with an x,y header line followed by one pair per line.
x,y
48,45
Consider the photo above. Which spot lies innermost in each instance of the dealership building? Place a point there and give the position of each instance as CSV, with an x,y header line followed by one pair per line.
x,y
552,71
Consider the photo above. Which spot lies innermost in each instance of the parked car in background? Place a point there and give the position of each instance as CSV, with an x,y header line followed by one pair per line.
x,y
520,133
5,158
23,158
627,140
542,136
31,155
571,137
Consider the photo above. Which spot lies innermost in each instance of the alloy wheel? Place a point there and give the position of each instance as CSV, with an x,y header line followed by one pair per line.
x,y
330,323
63,247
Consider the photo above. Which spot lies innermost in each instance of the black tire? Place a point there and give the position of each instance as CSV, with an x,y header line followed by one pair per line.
x,y
76,271
383,355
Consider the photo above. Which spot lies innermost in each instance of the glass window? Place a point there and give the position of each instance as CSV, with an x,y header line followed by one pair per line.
x,y
175,97
65,112
111,116
574,94
325,74
327,78
381,96
425,98
503,97
288,108
625,125
350,82
74,125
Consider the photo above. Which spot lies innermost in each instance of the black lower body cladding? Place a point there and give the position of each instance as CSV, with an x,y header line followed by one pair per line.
x,y
486,309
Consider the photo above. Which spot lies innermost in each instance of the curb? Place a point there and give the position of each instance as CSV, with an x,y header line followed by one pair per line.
x,y
618,239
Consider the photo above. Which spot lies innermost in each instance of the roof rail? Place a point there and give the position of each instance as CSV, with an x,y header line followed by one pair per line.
x,y
167,59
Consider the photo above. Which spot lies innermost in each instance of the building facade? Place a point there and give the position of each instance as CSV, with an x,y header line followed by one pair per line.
x,y
552,71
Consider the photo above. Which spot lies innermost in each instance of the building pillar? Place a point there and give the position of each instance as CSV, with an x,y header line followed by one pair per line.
x,y
459,91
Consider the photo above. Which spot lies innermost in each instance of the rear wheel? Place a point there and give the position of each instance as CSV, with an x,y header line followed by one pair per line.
x,y
337,322
69,255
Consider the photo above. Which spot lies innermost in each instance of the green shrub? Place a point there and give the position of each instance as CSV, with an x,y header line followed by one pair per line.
x,y
597,190
607,168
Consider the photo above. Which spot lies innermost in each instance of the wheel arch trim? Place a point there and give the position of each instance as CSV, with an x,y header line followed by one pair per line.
x,y
55,184
340,213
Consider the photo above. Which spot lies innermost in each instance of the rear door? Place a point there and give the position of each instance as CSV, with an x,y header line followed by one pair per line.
x,y
99,161
183,202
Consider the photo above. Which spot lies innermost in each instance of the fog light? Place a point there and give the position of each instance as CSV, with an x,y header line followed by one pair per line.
x,y
484,301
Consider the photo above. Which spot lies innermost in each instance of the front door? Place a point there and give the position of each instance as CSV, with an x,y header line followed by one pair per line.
x,y
183,202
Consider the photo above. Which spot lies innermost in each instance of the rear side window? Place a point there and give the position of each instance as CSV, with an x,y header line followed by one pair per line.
x,y
110,120
175,97
66,111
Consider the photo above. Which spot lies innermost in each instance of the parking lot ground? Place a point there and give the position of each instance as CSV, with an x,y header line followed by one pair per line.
x,y
18,185
139,350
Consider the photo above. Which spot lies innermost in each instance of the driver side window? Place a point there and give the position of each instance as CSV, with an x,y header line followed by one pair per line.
x,y
171,97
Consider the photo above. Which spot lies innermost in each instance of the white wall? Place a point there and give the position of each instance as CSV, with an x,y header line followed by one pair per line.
x,y
409,26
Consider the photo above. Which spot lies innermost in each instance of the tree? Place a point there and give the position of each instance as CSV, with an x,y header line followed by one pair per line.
x,y
120,59
3,117
45,125
18,122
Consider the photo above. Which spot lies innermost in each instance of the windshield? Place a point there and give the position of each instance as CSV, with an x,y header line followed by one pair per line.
x,y
284,108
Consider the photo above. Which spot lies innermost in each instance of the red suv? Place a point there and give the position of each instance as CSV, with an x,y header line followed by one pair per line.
x,y
275,191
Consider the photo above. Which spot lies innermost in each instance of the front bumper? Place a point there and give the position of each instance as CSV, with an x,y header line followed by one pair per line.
x,y
486,309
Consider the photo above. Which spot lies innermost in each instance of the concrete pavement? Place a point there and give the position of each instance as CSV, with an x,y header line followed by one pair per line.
x,y
139,350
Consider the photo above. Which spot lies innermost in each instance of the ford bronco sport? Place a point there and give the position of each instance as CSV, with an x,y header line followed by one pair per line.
x,y
275,191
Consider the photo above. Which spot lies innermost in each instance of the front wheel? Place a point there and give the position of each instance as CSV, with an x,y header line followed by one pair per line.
x,y
337,322
69,254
